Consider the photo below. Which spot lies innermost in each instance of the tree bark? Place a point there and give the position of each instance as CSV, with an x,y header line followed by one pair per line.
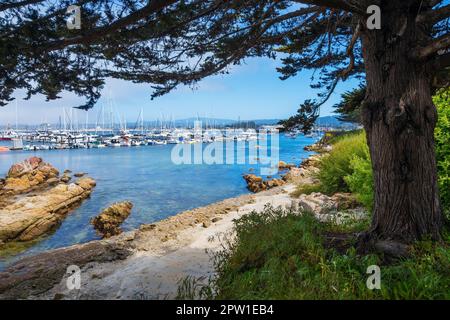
x,y
399,118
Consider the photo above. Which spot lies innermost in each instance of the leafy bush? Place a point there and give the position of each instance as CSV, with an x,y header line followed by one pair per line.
x,y
360,182
336,165
285,255
442,137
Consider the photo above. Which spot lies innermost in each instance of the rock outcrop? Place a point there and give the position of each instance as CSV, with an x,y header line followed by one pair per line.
x,y
257,184
108,222
285,166
338,208
34,199
28,175
29,217
319,203
37,274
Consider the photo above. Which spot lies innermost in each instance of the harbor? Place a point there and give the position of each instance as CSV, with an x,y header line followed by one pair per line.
x,y
48,139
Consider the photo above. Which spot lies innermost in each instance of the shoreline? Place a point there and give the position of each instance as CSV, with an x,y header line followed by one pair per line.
x,y
145,263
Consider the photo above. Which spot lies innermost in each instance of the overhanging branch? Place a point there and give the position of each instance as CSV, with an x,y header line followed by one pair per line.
x,y
442,61
335,4
153,7
435,46
350,52
14,5
434,16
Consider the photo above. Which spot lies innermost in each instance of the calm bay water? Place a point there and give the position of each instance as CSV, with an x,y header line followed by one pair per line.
x,y
148,178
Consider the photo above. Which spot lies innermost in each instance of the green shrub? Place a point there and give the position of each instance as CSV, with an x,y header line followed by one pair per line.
x,y
360,182
336,165
285,255
442,137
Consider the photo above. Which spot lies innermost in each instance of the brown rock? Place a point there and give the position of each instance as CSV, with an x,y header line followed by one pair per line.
x,y
86,183
66,178
285,166
147,227
206,224
257,184
345,201
36,274
37,214
25,176
108,222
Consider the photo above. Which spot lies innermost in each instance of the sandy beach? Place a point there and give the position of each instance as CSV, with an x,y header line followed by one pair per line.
x,y
154,270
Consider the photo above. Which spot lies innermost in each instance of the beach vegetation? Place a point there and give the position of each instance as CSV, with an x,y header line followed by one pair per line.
x,y
279,254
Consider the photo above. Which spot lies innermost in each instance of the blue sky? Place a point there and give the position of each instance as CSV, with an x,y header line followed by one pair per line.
x,y
250,91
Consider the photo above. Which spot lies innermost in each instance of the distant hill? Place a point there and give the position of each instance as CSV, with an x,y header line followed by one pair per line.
x,y
321,121
329,121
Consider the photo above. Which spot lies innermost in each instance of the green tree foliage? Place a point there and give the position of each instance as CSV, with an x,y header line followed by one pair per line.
x,y
442,137
305,118
349,108
179,42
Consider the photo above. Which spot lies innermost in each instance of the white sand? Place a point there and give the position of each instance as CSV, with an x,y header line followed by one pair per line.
x,y
154,273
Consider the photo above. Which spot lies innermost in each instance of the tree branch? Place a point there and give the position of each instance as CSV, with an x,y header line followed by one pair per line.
x,y
438,44
14,5
152,7
434,16
433,3
335,4
350,53
442,61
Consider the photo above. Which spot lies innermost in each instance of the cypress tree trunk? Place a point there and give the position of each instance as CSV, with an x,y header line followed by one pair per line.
x,y
399,118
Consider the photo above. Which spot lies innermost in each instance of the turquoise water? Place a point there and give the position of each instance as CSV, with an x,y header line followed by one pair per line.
x,y
148,178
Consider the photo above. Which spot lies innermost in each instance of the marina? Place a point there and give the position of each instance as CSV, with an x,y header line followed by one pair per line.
x,y
64,139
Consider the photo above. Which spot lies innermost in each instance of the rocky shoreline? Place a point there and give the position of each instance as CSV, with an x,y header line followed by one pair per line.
x,y
149,262
34,200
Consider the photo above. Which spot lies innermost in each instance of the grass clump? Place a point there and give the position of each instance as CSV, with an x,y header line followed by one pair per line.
x,y
285,255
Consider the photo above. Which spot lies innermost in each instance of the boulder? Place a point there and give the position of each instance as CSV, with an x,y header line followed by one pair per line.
x,y
27,175
39,273
66,178
317,203
86,183
345,201
108,222
33,216
257,184
338,208
285,166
